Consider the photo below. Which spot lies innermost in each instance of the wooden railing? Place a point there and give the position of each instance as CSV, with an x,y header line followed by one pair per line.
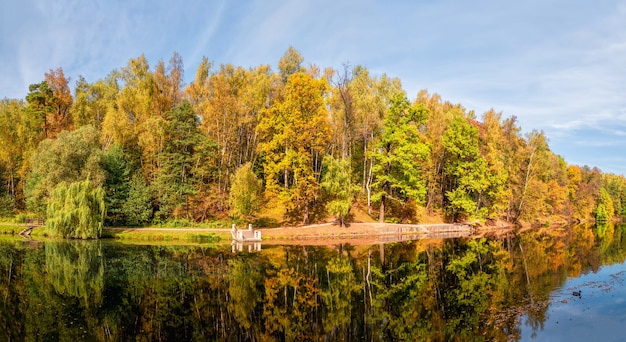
x,y
35,222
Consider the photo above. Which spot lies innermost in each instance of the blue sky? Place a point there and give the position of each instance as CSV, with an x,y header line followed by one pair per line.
x,y
559,66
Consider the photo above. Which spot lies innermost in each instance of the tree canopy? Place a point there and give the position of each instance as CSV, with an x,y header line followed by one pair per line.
x,y
316,140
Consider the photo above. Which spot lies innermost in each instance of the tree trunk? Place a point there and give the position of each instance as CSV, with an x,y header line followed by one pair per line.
x,y
381,216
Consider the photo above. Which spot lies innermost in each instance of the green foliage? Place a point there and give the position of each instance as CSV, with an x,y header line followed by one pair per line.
x,y
466,170
175,179
72,157
245,193
76,269
76,210
7,205
337,181
137,208
398,156
187,145
116,184
604,210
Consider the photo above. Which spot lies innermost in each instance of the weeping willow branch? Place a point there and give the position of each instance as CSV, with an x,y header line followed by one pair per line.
x,y
76,210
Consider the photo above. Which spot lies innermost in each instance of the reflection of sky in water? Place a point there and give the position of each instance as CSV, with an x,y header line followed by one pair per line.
x,y
598,315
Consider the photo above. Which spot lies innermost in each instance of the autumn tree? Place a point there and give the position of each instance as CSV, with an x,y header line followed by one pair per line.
x,y
616,188
492,145
294,134
93,101
399,152
59,119
229,101
19,135
245,193
440,115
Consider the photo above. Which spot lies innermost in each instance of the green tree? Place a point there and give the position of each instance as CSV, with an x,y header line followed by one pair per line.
x,y
245,193
175,180
400,152
137,208
116,183
466,170
76,210
73,156
604,209
337,181
40,101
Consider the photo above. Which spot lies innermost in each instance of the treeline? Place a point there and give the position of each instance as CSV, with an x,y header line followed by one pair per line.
x,y
294,145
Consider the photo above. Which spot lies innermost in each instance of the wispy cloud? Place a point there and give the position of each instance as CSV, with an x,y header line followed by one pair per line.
x,y
556,65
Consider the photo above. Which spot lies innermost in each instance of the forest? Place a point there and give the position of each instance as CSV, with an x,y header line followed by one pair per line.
x,y
294,146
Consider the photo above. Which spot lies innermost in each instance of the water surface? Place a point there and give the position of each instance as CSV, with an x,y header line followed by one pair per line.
x,y
493,289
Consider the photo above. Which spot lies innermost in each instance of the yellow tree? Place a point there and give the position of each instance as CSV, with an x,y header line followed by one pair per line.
x,y
440,116
93,101
543,179
229,101
294,134
132,107
19,135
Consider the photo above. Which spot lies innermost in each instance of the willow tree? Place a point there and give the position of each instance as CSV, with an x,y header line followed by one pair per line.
x,y
76,210
71,157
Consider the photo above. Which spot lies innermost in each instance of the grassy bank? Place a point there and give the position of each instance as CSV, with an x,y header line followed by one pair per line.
x,y
195,235
166,234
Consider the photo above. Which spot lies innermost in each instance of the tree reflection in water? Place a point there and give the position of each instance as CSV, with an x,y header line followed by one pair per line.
x,y
464,289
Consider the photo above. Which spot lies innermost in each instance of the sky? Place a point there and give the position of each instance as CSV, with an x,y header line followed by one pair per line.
x,y
557,65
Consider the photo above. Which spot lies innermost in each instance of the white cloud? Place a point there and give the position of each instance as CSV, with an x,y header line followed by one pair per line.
x,y
556,65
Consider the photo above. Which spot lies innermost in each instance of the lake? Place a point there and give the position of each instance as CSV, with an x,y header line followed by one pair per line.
x,y
502,288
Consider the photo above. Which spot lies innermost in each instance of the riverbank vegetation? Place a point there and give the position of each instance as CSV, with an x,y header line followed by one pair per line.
x,y
295,145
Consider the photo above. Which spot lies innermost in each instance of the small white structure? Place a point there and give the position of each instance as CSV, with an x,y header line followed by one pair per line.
x,y
246,235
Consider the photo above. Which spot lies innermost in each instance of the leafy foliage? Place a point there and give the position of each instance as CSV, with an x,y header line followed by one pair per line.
x,y
72,157
245,193
77,210
164,151
400,151
466,170
137,208
338,183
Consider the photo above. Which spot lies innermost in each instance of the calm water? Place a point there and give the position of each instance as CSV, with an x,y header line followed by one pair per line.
x,y
498,289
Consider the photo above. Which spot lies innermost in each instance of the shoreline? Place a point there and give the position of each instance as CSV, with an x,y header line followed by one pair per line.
x,y
321,233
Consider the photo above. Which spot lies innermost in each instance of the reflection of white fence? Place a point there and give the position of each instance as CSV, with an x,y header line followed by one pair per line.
x,y
245,235
426,229
250,246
